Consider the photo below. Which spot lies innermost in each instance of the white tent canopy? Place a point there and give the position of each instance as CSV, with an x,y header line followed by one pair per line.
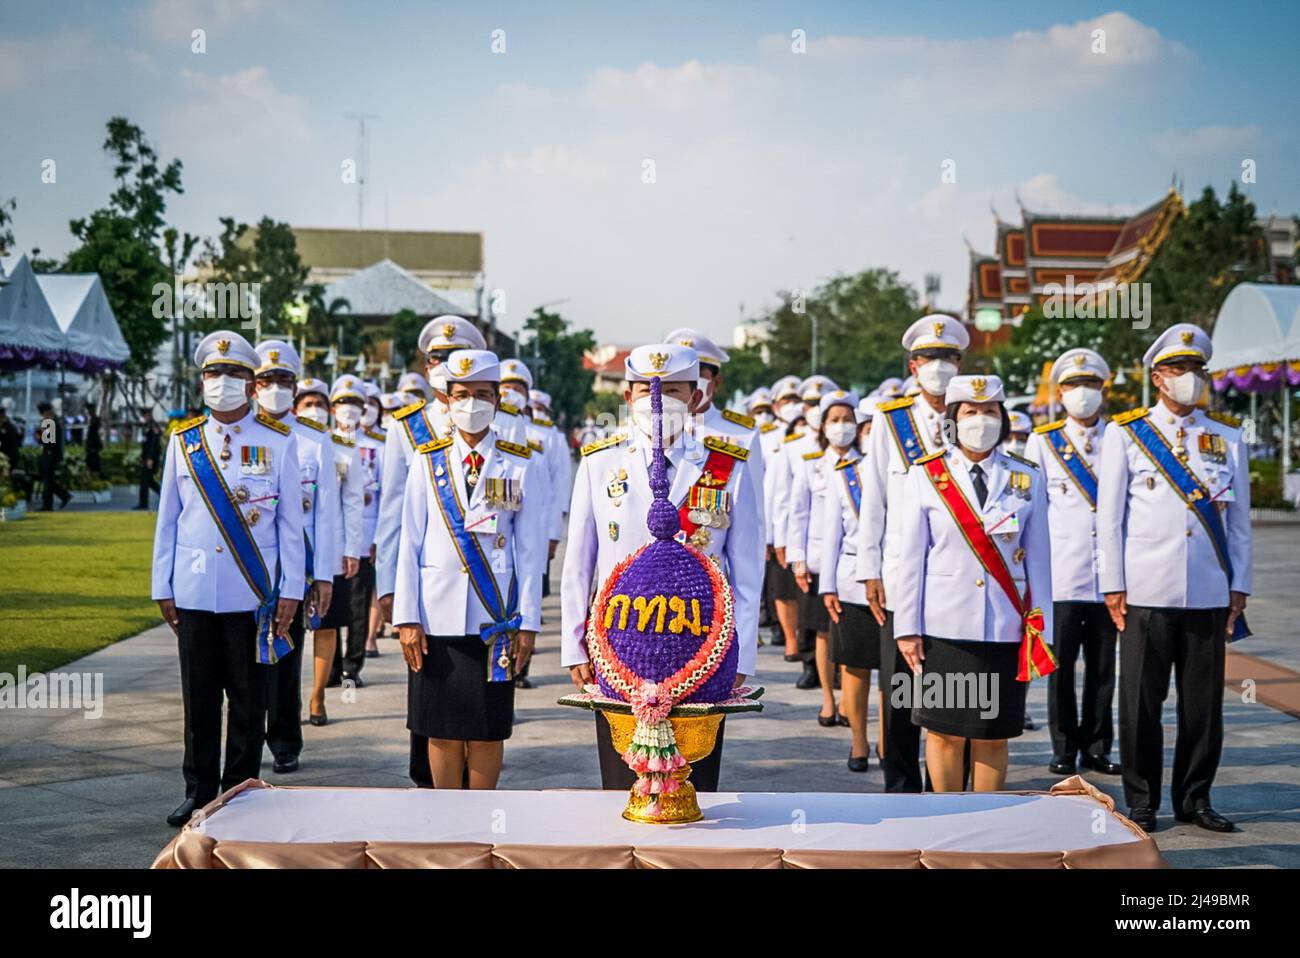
x,y
1257,323
83,313
28,330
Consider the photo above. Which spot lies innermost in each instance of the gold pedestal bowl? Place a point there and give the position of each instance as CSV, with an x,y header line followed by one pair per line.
x,y
696,735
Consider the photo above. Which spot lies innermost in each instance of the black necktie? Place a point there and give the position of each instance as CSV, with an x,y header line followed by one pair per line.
x,y
977,480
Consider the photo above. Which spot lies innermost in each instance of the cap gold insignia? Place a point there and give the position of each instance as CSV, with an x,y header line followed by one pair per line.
x,y
1080,359
659,361
275,355
465,365
938,329
687,342
448,330
223,346
978,385
1188,336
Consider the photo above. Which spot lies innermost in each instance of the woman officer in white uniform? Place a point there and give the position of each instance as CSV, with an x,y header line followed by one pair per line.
x,y
973,578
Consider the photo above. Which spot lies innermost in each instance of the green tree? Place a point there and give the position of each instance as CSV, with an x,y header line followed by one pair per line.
x,y
7,208
405,333
746,370
558,368
121,241
267,258
332,322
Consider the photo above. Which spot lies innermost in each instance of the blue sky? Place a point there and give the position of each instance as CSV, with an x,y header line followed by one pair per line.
x,y
773,170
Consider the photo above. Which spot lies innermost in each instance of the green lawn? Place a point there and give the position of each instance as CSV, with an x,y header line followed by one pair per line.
x,y
71,583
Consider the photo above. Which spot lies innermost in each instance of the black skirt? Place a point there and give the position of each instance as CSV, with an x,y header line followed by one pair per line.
x,y
813,616
340,611
969,689
451,698
855,638
781,581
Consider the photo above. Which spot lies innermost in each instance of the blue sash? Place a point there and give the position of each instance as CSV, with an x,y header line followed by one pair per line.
x,y
505,616
904,428
230,521
417,428
1185,482
1073,464
854,486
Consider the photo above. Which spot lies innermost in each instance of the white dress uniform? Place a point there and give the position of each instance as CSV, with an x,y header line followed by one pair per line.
x,y
838,523
517,424
194,565
812,477
1155,547
558,455
1073,519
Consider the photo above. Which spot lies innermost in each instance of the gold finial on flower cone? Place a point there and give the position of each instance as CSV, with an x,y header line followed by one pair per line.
x,y
696,736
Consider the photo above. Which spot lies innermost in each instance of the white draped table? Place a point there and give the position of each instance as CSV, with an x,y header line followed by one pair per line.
x,y
258,825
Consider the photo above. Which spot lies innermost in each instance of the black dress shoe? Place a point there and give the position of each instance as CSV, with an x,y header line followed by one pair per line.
x,y
285,765
1207,818
354,681
830,722
372,653
1062,765
792,658
1100,763
521,682
1029,723
842,720
809,679
859,764
183,812
1143,818
321,719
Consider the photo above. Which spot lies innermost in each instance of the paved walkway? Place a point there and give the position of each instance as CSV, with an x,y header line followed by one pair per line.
x,y
94,792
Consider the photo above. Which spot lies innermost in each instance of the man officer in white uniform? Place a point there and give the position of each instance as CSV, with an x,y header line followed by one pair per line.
x,y
1068,453
228,566
1173,535
902,431
607,523
277,376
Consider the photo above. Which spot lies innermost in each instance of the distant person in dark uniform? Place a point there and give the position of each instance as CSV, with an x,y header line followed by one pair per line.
x,y
49,433
94,446
11,440
150,454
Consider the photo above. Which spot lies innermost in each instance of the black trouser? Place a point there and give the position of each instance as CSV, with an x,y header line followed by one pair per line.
x,y
50,484
147,481
902,760
363,590
1086,626
1191,642
614,773
218,654
284,695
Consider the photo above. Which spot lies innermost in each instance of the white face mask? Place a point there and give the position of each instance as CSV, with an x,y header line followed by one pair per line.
x,y
347,416
386,421
979,433
1185,388
706,386
1081,401
1015,445
316,414
369,416
437,378
813,417
514,397
790,412
864,443
934,376
472,415
224,393
840,434
763,418
674,418
275,399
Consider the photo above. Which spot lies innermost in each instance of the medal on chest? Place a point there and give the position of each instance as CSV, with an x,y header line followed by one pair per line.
x,y
502,493
616,485
254,460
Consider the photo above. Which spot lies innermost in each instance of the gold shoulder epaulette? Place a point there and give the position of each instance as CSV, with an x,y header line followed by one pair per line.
x,y
304,421
514,448
847,463
792,437
1132,414
937,454
191,423
600,444
376,435
726,448
1224,418
407,410
433,445
810,456
270,422
341,441
544,423
1021,459
739,418
508,409
1050,426
901,403
535,445
768,427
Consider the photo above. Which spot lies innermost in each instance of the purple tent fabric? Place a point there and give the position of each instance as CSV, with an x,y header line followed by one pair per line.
x,y
1259,378
56,320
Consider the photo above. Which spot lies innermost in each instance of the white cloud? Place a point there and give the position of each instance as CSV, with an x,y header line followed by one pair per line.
x,y
240,111
1205,140
173,21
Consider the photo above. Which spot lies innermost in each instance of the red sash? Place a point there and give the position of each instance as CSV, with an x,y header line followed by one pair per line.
x,y
715,475
1036,659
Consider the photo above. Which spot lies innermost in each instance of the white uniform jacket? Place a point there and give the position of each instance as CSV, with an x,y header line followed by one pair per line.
x,y
398,451
322,506
559,466
607,523
1071,516
838,522
370,453
804,532
883,479
1150,543
770,436
433,583
192,562
940,586
352,483
793,446
741,430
